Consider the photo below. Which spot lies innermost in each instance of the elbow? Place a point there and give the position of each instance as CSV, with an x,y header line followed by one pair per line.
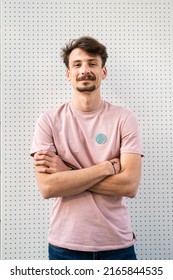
x,y
45,195
132,190
45,191
131,195
46,187
132,185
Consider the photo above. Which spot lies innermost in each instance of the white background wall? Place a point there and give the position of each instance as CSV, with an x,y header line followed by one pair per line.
x,y
138,35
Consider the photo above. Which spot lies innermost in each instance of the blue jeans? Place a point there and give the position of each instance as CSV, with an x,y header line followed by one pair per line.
x,y
58,253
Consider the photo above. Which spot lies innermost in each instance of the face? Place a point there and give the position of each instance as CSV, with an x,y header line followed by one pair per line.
x,y
85,71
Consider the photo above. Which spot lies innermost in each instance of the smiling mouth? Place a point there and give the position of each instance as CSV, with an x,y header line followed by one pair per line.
x,y
87,77
85,80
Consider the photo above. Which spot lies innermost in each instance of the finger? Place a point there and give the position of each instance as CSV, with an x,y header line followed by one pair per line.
x,y
118,168
116,161
44,170
46,153
43,157
116,165
42,162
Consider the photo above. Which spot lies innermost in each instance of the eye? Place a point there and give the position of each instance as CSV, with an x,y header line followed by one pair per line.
x,y
92,64
77,65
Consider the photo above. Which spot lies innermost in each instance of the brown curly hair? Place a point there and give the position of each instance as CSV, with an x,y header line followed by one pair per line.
x,y
86,43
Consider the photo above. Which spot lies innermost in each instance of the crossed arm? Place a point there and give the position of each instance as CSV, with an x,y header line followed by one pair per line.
x,y
55,178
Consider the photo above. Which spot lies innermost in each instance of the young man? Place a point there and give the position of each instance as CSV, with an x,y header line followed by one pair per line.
x,y
87,156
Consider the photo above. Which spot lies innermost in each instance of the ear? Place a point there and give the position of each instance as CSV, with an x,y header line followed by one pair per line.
x,y
104,73
68,74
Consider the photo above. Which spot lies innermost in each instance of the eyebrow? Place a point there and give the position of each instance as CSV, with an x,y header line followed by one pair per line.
x,y
89,60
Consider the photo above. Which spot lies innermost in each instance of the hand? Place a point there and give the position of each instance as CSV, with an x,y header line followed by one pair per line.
x,y
116,165
49,162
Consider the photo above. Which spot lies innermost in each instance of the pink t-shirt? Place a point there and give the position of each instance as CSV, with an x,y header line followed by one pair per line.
x,y
88,221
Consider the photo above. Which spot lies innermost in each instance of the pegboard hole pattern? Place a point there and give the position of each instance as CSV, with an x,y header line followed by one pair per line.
x,y
138,36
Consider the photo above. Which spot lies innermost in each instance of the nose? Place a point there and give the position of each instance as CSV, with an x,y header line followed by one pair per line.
x,y
85,69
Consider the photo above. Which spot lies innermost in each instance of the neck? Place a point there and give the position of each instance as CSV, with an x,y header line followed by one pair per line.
x,y
86,102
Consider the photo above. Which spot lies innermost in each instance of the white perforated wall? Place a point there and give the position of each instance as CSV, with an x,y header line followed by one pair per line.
x,y
138,35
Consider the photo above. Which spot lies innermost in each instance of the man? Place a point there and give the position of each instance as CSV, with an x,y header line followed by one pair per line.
x,y
87,156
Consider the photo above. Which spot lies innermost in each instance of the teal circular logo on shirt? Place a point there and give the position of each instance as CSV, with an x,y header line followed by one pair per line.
x,y
101,138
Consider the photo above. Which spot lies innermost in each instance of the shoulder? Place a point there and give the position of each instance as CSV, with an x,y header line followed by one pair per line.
x,y
52,114
119,110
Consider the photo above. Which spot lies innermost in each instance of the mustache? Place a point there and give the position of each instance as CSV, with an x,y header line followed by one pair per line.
x,y
87,76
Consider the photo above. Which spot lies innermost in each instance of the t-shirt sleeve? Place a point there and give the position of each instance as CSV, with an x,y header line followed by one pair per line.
x,y
43,138
130,135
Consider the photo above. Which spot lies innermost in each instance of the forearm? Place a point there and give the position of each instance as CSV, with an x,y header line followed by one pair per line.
x,y
126,182
67,183
117,185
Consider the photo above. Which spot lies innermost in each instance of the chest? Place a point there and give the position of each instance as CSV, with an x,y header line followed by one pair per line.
x,y
88,140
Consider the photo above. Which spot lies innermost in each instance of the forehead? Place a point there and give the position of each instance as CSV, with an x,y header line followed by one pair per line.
x,y
81,55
